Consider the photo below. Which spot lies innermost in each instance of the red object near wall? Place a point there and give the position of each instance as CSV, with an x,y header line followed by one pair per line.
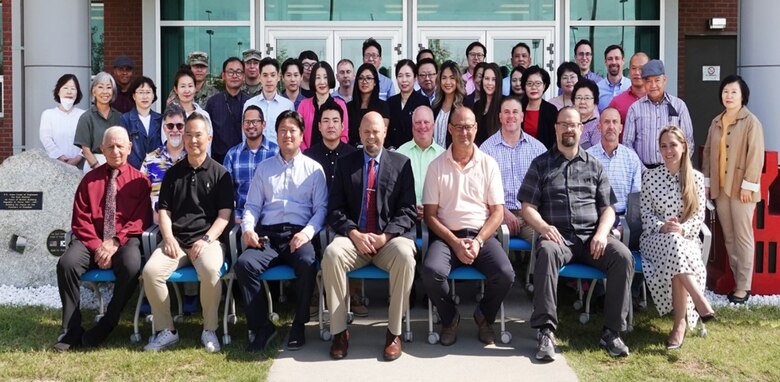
x,y
766,231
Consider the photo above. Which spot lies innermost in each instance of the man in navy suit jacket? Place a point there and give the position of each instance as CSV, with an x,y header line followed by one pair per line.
x,y
372,210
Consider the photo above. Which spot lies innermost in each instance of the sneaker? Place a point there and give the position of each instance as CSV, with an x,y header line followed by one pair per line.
x,y
162,340
358,309
615,346
210,341
545,349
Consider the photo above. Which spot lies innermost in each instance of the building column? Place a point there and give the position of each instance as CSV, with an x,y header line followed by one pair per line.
x,y
759,64
56,41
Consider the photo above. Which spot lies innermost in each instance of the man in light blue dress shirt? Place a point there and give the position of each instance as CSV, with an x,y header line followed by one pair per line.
x,y
269,100
372,54
614,83
287,204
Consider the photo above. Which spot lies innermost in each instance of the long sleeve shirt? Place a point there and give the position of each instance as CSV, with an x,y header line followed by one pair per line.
x,y
293,192
645,120
58,129
241,163
133,207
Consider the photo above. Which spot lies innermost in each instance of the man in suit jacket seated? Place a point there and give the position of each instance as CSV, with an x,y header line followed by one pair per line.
x,y
371,209
463,202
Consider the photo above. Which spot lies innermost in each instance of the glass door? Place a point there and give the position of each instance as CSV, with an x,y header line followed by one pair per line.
x,y
540,40
450,45
349,44
285,43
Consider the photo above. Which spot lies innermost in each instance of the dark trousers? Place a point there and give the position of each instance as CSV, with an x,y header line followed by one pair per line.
x,y
253,262
492,261
616,262
77,260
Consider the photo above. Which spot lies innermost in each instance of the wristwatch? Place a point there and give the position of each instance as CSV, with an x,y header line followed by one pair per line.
x,y
478,240
206,238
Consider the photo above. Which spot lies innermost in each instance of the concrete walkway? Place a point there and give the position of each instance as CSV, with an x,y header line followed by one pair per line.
x,y
466,360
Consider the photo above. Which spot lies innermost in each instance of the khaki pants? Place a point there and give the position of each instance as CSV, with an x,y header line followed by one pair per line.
x,y
160,267
736,219
526,231
341,256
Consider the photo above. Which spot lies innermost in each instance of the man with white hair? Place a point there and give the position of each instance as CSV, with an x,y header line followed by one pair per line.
x,y
110,212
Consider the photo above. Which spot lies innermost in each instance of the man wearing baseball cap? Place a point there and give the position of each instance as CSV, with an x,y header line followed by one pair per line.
x,y
651,113
199,63
252,84
123,74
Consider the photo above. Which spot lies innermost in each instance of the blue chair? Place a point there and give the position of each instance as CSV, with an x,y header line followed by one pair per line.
x,y
93,278
187,274
468,272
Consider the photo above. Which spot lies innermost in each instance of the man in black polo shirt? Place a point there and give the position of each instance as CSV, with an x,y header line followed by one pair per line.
x,y
567,199
331,148
195,207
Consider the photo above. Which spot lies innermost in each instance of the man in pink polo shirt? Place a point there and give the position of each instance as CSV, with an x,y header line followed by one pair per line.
x,y
623,101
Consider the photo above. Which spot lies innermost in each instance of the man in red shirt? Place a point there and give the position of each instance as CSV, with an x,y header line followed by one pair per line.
x,y
623,101
111,209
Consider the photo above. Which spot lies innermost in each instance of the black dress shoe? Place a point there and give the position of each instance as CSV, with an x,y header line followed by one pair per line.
x,y
739,300
297,337
262,338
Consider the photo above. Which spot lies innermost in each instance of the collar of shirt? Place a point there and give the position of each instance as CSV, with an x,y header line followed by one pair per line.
x,y
265,145
203,166
275,98
121,168
167,154
616,84
522,139
666,99
600,149
558,155
378,157
475,160
290,162
417,147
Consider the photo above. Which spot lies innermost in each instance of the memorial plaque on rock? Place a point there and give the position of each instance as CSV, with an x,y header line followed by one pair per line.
x,y
36,202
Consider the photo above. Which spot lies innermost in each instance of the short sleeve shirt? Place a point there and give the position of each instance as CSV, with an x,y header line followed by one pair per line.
x,y
92,126
463,195
568,193
194,197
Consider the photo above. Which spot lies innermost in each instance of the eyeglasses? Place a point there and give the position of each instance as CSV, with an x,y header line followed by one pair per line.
x,y
171,126
144,94
572,77
234,73
371,56
253,122
534,84
584,54
427,75
307,65
568,125
583,98
366,79
476,55
464,127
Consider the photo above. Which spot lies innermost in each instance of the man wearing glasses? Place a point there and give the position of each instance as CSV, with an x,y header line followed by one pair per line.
x,y
475,53
583,55
372,54
242,159
269,100
225,109
426,78
567,199
164,157
463,205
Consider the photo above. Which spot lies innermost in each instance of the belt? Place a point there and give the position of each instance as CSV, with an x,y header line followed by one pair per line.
x,y
280,228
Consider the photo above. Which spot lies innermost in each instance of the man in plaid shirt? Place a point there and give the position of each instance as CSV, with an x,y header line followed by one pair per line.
x,y
242,159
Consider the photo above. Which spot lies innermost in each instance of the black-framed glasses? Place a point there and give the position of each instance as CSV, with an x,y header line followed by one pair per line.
x,y
177,126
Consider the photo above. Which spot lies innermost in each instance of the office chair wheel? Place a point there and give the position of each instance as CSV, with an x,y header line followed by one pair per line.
x,y
433,338
232,319
408,336
135,338
478,297
273,317
584,318
98,317
703,331
325,335
350,317
578,305
643,304
456,299
149,318
629,328
506,337
226,340
178,318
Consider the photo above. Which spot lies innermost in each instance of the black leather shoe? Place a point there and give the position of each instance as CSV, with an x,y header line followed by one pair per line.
x,y
739,300
297,337
262,338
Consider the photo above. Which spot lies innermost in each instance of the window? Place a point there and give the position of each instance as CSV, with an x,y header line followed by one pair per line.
x,y
205,10
487,10
632,39
333,10
96,29
615,10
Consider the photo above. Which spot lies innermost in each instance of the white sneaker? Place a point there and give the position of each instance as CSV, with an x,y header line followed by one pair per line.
x,y
162,340
210,341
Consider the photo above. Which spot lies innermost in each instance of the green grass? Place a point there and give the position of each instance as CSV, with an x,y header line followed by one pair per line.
x,y
742,345
27,335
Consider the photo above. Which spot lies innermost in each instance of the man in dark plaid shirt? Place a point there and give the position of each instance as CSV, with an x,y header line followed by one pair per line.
x,y
567,199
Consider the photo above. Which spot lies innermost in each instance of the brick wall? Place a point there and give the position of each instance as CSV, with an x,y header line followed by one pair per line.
x,y
6,123
122,22
694,20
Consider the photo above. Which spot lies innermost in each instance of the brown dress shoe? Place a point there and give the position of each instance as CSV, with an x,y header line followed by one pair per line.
x,y
392,346
449,333
338,349
484,329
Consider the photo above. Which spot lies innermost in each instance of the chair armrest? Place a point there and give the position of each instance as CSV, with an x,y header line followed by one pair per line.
x,y
503,237
322,236
235,243
625,237
69,236
149,240
426,240
706,243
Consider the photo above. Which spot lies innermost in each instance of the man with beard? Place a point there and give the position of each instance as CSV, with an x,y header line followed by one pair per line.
x,y
164,157
252,84
567,199
624,100
224,109
242,159
614,83
583,53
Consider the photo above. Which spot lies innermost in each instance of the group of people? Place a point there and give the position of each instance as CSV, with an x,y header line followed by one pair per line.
x,y
371,171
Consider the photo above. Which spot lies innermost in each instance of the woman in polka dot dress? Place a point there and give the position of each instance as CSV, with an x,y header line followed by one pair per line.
x,y
672,214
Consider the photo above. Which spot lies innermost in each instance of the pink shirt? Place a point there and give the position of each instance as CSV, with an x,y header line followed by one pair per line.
x,y
622,102
463,195
306,110
468,79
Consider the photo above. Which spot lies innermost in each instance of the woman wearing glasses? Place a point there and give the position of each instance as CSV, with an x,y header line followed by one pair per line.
x,y
58,125
538,115
585,98
403,104
450,91
142,123
321,80
365,98
568,76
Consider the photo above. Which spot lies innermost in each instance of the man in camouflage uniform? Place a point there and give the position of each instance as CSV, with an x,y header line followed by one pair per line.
x,y
252,84
199,63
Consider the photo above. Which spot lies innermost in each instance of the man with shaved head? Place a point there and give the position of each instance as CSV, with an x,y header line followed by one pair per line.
x,y
110,212
371,209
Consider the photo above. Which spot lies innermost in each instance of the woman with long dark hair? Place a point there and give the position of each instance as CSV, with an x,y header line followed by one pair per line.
x,y
365,98
489,104
321,80
450,91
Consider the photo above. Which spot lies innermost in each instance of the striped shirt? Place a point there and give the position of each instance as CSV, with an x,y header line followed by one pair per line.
x,y
154,167
645,120
241,163
513,161
591,135
608,90
624,170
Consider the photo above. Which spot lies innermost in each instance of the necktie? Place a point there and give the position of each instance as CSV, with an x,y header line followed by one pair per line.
x,y
109,209
371,213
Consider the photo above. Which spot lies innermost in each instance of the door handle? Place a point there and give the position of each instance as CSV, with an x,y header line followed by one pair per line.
x,y
398,49
551,48
268,48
